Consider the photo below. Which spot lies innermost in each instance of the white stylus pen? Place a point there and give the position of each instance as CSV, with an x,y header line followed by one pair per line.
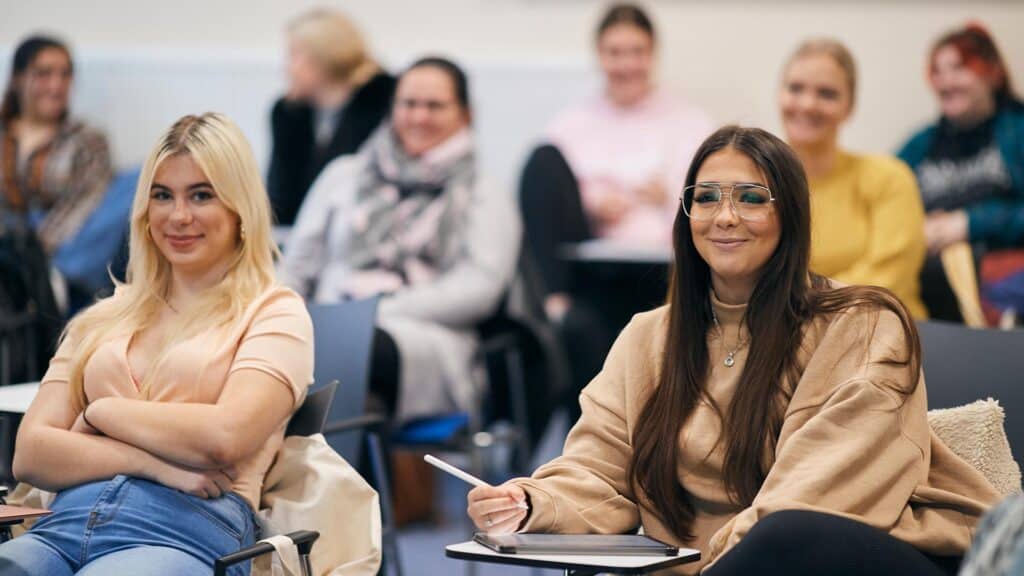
x,y
462,475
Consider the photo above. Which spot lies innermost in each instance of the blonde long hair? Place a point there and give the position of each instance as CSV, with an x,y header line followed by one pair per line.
x,y
221,151
336,45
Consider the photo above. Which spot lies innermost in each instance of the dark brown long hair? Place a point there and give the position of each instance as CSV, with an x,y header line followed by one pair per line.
x,y
24,55
785,298
625,13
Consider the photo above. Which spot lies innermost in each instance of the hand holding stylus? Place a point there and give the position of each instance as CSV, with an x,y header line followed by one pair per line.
x,y
494,509
497,509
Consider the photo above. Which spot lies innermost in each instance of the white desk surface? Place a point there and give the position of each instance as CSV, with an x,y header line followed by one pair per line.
x,y
17,397
612,251
484,554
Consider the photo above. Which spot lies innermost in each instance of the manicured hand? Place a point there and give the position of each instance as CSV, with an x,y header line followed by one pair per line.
x,y
497,509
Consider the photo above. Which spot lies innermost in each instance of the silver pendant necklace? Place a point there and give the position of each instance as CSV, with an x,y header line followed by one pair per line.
x,y
730,357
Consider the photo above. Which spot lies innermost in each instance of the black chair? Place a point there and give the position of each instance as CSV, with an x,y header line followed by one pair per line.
x,y
527,372
17,333
535,344
30,321
964,364
309,419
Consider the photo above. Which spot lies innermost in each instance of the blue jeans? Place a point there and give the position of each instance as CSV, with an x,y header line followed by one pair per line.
x,y
131,526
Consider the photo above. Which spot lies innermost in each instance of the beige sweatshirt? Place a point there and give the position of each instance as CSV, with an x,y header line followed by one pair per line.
x,y
851,444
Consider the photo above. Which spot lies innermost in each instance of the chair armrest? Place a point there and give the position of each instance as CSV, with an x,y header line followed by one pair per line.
x,y
303,540
367,421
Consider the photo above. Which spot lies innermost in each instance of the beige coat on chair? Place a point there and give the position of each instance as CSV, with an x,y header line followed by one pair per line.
x,y
311,487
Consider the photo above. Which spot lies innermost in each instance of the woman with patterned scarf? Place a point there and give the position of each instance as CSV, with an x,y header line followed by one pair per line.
x,y
407,218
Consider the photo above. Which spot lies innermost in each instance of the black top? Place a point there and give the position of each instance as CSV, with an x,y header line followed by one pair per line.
x,y
963,167
296,160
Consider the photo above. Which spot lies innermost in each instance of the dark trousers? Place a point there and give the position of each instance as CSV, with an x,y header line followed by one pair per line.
x,y
385,374
605,295
802,543
553,214
937,294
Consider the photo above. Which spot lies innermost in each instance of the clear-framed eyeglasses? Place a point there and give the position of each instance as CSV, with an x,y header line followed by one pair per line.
x,y
751,202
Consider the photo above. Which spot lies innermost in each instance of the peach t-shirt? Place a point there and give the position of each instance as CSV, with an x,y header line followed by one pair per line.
x,y
274,335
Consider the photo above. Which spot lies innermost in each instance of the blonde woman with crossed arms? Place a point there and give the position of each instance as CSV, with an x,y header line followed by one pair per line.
x,y
166,402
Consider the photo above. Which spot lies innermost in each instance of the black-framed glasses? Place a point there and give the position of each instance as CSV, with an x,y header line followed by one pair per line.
x,y
751,202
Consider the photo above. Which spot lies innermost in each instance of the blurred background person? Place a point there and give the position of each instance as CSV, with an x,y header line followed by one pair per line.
x,y
998,547
970,162
54,169
337,96
867,216
613,169
408,218
629,147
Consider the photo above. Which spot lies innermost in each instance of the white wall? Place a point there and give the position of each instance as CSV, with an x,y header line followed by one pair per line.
x,y
144,62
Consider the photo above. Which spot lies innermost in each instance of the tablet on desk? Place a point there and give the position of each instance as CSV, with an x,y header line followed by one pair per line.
x,y
576,544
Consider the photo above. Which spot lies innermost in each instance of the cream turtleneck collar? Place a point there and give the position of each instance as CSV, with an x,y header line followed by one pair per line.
x,y
729,340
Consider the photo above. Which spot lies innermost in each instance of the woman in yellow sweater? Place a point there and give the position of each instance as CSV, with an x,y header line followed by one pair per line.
x,y
765,416
867,224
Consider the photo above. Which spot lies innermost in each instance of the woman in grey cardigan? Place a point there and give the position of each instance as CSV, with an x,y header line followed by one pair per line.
x,y
407,218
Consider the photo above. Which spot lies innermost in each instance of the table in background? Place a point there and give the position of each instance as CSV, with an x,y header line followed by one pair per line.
x,y
616,281
610,251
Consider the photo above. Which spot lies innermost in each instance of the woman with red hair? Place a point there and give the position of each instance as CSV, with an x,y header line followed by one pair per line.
x,y
970,164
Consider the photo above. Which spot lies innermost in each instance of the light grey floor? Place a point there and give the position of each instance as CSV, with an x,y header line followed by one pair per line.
x,y
422,546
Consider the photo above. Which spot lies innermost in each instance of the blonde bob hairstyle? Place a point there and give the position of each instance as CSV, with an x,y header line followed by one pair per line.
x,y
335,44
221,151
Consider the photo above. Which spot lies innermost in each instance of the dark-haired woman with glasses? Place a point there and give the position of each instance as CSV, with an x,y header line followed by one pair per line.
x,y
767,416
